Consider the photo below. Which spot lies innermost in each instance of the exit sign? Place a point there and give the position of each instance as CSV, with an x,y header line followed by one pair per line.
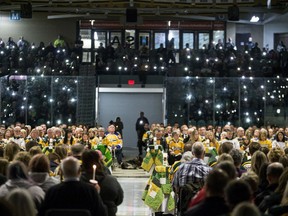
x,y
131,82
15,15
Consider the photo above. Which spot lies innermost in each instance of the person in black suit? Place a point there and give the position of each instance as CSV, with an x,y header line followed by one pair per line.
x,y
141,121
72,193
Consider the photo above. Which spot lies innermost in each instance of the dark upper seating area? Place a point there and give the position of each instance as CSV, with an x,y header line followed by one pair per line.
x,y
214,60
27,58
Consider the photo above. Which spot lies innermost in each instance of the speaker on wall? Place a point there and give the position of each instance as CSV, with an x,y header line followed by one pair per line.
x,y
233,13
26,10
131,15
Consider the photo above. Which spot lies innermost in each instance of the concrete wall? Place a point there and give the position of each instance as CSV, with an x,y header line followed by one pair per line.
x,y
37,29
278,25
256,32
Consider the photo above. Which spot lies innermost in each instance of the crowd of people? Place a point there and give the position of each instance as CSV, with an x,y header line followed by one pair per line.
x,y
26,58
215,59
232,168
59,168
224,168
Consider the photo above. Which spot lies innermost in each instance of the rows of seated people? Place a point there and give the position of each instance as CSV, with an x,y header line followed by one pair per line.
x,y
213,60
32,162
217,60
23,57
256,157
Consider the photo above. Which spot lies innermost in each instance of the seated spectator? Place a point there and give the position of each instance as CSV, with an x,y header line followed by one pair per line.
x,y
111,191
11,150
275,154
214,203
193,171
22,44
55,161
59,42
237,158
144,53
22,202
35,150
39,172
252,179
258,158
6,208
24,157
77,150
3,170
243,191
246,208
274,171
11,44
18,178
284,160
72,193
62,151
2,43
275,197
30,144
225,147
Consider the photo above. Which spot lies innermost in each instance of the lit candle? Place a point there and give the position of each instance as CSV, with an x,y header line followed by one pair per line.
x,y
94,171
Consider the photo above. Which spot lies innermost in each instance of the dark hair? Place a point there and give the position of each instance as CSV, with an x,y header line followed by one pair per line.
x,y
3,166
17,170
61,151
65,140
216,181
264,149
35,150
229,168
39,163
226,147
263,182
237,156
30,144
253,147
6,208
237,191
24,157
284,160
282,181
276,136
90,158
11,150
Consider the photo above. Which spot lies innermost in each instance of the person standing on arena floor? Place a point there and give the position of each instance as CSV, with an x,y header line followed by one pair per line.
x,y
141,121
119,126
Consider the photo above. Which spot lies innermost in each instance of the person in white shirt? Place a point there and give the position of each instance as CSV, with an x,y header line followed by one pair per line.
x,y
17,138
280,140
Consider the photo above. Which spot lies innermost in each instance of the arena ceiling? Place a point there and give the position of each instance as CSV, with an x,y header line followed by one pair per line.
x,y
267,10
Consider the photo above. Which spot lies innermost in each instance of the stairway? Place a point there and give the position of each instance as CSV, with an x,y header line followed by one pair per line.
x,y
86,95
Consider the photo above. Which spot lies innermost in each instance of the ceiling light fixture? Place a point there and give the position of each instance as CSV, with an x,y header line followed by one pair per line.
x,y
254,19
